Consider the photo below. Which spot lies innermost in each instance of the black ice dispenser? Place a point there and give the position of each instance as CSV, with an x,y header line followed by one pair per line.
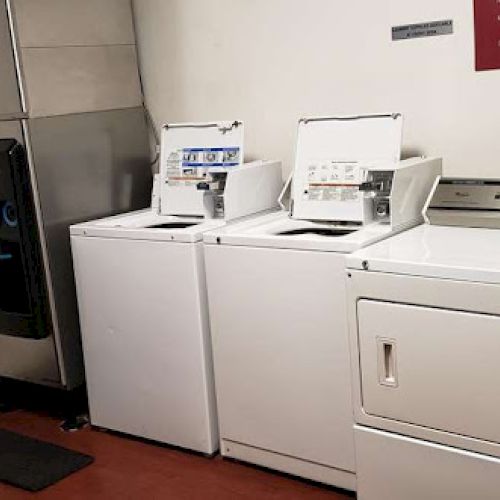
x,y
23,298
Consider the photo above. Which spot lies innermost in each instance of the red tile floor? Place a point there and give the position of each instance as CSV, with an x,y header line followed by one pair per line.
x,y
131,469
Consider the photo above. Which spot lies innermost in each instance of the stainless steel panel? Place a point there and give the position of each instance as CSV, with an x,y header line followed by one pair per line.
x,y
64,80
464,218
54,23
29,360
11,130
466,202
86,166
10,102
467,194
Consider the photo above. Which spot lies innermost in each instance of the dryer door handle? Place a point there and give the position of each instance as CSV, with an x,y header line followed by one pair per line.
x,y
387,362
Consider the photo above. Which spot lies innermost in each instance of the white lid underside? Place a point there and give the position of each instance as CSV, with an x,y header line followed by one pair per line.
x,y
370,138
331,158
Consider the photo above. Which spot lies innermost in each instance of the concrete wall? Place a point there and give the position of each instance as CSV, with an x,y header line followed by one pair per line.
x,y
269,62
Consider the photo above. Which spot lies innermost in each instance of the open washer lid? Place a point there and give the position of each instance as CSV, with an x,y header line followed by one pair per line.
x,y
457,253
188,152
329,154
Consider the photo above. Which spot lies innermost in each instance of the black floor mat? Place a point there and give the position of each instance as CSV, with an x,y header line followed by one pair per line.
x,y
33,465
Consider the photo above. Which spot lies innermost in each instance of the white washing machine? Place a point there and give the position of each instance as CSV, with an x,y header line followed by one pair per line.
x,y
424,319
142,294
277,296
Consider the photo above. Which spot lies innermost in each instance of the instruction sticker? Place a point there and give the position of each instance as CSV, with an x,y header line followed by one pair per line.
x,y
329,180
190,165
211,157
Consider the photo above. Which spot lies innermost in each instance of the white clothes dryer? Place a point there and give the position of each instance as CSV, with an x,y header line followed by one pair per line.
x,y
424,320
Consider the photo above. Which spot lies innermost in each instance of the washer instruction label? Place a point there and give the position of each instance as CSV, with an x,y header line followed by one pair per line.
x,y
329,180
190,165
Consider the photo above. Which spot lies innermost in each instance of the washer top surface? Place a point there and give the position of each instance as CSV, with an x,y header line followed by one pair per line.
x,y
146,225
457,253
278,230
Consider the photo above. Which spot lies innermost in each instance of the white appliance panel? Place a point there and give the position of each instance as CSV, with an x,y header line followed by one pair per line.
x,y
281,352
431,367
393,467
331,153
426,251
183,161
146,339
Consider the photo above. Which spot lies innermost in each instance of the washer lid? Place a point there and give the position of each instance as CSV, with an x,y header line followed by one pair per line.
x,y
331,155
457,253
368,138
197,145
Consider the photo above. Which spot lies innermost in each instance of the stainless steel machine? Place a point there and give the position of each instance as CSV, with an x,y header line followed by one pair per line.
x,y
55,170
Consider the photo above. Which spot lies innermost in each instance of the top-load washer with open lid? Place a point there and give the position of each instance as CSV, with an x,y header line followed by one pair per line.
x,y
424,319
277,295
141,288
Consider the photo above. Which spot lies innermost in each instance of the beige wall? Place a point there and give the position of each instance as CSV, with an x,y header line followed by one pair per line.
x,y
269,62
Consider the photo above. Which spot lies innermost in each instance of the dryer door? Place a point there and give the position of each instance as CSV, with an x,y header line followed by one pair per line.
x,y
431,367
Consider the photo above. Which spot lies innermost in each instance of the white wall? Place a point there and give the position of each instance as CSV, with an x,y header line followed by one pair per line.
x,y
270,62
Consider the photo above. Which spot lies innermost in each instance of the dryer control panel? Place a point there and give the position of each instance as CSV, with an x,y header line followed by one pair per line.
x,y
465,203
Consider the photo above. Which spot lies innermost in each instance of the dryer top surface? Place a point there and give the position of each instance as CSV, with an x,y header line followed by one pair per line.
x,y
456,253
